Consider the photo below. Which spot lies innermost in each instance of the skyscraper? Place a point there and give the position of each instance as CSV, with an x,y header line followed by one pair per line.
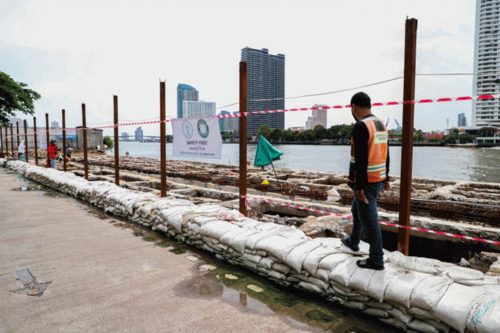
x,y
139,134
318,117
191,109
487,63
266,87
462,120
185,93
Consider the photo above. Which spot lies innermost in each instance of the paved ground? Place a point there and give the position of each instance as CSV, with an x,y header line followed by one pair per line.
x,y
104,279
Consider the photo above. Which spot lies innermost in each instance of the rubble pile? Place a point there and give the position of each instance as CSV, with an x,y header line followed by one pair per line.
x,y
412,293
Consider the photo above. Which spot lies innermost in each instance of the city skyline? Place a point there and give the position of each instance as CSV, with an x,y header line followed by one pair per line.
x,y
80,65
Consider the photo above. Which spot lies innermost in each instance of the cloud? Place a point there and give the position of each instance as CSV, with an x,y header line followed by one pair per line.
x,y
85,51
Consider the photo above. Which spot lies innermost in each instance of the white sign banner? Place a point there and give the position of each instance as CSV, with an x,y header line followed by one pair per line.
x,y
197,137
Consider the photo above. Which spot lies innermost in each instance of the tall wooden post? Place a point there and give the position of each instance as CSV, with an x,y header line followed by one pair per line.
x,y
64,138
17,136
407,137
2,143
84,134
116,143
35,140
12,140
6,141
47,137
163,142
26,158
243,137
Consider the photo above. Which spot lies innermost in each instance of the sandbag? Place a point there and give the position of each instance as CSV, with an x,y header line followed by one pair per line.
x,y
216,229
456,304
379,313
312,260
400,289
360,279
331,261
379,282
458,273
421,326
429,291
485,315
296,257
342,273
279,246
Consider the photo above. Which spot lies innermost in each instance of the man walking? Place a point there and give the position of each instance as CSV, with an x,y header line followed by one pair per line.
x,y
368,175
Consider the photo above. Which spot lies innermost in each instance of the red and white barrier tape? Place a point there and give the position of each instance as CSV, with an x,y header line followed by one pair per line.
x,y
315,108
389,224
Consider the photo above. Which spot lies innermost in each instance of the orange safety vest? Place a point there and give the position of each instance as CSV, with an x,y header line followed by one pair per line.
x,y
377,149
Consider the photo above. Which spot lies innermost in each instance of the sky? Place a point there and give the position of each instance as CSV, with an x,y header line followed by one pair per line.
x,y
76,51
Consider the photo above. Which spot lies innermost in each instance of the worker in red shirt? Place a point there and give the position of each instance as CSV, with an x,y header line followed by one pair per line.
x,y
52,153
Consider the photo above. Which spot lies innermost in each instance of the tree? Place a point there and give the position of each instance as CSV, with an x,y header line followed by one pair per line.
x,y
108,141
15,96
320,133
264,130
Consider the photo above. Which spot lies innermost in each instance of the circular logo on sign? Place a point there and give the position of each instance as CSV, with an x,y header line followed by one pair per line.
x,y
187,129
203,129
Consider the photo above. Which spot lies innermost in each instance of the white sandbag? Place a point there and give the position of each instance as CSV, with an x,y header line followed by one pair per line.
x,y
317,282
310,287
458,273
422,326
342,273
379,305
376,312
266,263
364,249
395,323
442,327
360,279
418,264
173,216
331,261
421,313
276,275
238,242
322,274
279,246
400,315
456,304
429,291
252,240
312,260
400,289
485,315
379,282
281,268
216,229
354,305
296,257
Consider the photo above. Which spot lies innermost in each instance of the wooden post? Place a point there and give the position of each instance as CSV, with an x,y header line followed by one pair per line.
x,y
407,137
26,158
163,143
12,140
116,143
1,141
35,139
47,135
84,134
64,138
6,141
17,136
243,137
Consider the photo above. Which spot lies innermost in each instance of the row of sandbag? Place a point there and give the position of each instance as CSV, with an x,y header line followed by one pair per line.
x,y
413,294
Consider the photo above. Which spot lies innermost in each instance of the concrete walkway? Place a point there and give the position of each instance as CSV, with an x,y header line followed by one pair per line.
x,y
104,279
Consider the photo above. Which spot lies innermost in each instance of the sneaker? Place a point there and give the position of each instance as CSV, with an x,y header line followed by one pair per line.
x,y
347,242
365,263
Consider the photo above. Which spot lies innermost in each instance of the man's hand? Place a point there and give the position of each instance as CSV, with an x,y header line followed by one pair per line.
x,y
360,196
387,186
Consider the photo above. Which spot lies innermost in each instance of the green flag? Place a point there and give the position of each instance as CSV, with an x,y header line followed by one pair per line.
x,y
266,153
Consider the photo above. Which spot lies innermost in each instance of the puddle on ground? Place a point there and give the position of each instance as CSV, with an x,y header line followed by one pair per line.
x,y
249,292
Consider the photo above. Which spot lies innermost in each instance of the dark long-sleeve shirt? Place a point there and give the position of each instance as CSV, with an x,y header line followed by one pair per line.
x,y
358,171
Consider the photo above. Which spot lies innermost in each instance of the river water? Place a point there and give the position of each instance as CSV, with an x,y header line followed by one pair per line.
x,y
481,164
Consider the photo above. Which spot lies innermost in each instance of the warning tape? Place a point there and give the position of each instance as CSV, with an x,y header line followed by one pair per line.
x,y
389,224
315,108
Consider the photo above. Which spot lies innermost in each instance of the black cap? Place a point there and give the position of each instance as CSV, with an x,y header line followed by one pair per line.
x,y
361,99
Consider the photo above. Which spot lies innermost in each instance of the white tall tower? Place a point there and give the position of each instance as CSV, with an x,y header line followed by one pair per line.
x,y
487,63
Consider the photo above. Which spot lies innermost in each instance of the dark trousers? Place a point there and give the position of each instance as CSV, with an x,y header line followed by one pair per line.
x,y
365,218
